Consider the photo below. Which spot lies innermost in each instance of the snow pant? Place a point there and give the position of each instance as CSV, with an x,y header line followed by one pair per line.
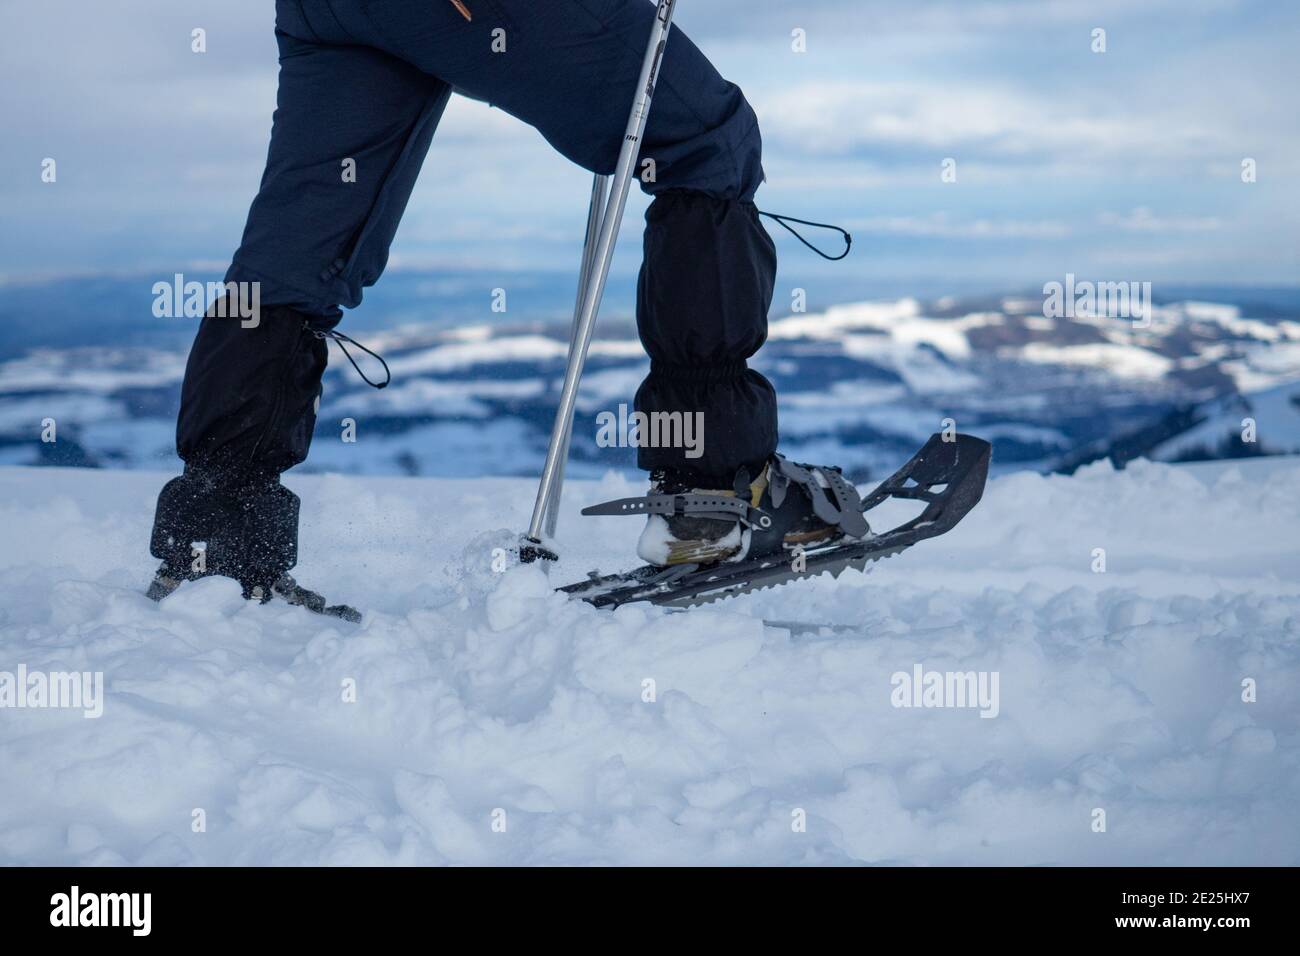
x,y
362,87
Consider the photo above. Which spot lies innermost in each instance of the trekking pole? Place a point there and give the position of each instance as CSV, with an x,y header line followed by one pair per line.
x,y
548,492
595,210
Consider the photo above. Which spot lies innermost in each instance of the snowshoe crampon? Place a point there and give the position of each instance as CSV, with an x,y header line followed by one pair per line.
x,y
947,474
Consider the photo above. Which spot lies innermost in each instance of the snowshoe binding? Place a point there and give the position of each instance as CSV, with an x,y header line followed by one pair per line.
x,y
787,507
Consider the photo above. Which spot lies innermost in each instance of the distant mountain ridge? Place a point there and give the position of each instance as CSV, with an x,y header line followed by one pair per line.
x,y
860,384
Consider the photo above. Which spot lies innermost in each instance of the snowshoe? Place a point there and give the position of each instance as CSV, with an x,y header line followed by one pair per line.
x,y
248,530
167,579
286,588
948,475
788,506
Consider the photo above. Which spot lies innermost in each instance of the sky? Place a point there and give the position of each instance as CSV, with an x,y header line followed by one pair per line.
x,y
1122,165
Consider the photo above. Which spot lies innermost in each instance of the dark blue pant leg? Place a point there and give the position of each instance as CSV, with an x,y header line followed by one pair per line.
x,y
570,69
351,129
313,239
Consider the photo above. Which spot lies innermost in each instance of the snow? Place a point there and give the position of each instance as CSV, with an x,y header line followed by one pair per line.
x,y
419,395
1126,361
91,369
496,722
924,370
1258,369
506,348
901,320
838,319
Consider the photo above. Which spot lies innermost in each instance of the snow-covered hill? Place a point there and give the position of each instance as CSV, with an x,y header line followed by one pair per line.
x,y
494,722
1274,412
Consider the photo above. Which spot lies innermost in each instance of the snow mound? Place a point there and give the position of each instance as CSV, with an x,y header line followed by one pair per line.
x,y
478,717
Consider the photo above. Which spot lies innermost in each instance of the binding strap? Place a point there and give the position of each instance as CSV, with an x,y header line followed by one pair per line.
x,y
843,508
834,500
700,506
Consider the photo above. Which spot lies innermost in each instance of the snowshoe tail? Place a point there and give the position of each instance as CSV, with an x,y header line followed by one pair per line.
x,y
285,587
294,593
948,474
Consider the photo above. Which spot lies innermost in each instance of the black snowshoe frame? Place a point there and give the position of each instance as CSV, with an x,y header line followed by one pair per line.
x,y
948,474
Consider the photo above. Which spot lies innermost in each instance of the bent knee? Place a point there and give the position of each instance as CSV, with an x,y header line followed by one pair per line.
x,y
722,156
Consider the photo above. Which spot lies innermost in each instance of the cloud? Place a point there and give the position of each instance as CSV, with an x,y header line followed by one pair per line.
x,y
940,226
835,18
160,150
846,117
1142,219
